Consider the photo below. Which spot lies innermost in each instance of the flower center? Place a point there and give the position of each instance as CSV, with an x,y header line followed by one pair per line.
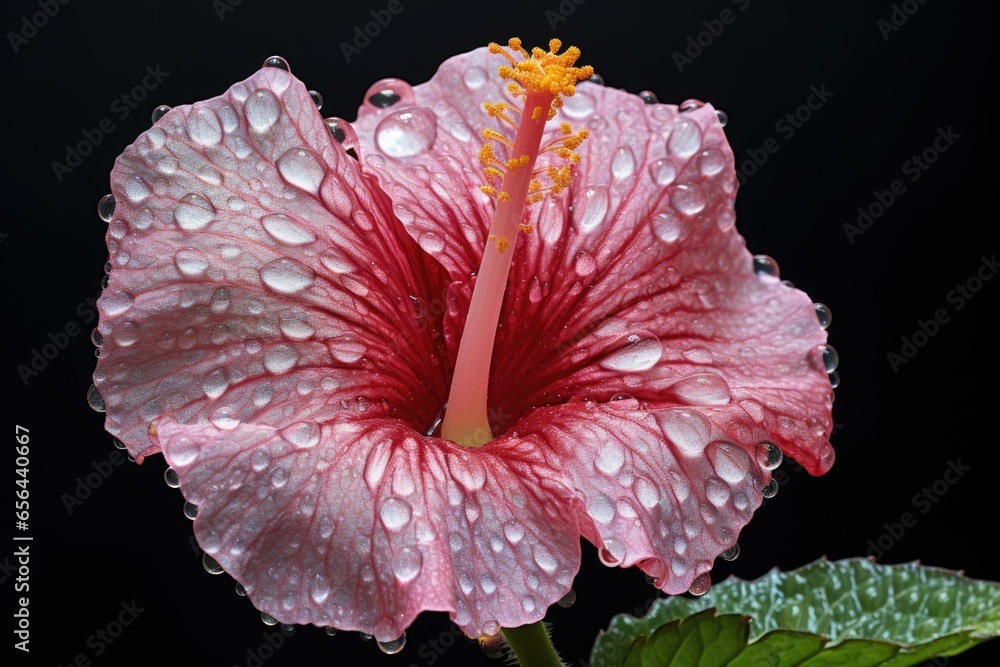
x,y
540,79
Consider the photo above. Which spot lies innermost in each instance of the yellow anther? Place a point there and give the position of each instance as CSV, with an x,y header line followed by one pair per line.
x,y
493,135
565,128
501,243
527,229
503,196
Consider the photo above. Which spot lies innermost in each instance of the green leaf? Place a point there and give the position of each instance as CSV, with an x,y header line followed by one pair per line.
x,y
852,612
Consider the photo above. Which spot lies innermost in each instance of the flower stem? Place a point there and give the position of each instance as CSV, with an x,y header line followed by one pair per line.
x,y
532,645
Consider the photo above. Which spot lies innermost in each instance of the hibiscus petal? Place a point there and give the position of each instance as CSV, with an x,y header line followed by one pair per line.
x,y
362,526
258,276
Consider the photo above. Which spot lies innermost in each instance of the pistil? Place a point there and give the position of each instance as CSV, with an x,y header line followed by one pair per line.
x,y
540,80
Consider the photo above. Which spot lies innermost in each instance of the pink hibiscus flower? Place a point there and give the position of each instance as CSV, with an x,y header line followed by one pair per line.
x,y
284,315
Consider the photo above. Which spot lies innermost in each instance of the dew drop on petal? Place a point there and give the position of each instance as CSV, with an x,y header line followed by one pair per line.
x,y
190,510
701,584
731,463
184,450
194,212
667,226
431,242
823,314
284,229
764,265
685,139
712,161
303,435
689,199
407,564
707,389
612,553
581,105
191,262
210,564
287,275
544,558
280,359
317,99
407,132
106,208
567,600
303,168
768,455
585,265
262,109
830,358
770,489
594,207
171,478
116,303
203,126
393,646
732,553
94,399
687,430
649,97
610,458
663,172
260,459
474,77
267,619
639,355
623,164
395,513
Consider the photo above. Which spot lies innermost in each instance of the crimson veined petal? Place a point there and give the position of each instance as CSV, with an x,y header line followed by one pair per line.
x,y
257,276
363,525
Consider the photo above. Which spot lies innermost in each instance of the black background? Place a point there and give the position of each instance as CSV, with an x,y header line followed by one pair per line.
x,y
897,431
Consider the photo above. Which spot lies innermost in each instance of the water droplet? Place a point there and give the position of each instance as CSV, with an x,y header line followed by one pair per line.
x,y
190,510
585,265
336,128
649,97
768,455
303,168
191,262
770,489
830,358
579,105
612,553
395,513
364,636
732,553
667,226
407,564
690,105
194,212
624,163
94,399
596,78
544,558
639,355
240,590
260,459
384,99
407,132
159,112
491,628
731,463
567,600
303,435
203,126
284,229
262,109
663,172
317,99
431,242
106,208
701,584
823,314
834,380
277,61
494,646
723,117
280,359
687,430
610,458
331,632
171,478
689,199
712,161
268,619
764,265
685,138
210,564
393,646
707,389
474,77
594,207
286,275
